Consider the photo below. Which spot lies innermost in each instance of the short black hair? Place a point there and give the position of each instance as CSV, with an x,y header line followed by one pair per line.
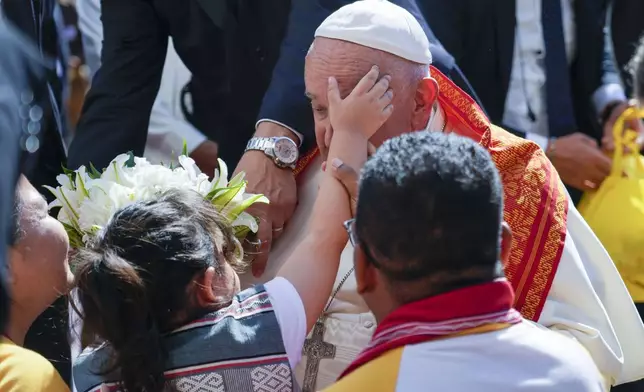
x,y
636,67
430,204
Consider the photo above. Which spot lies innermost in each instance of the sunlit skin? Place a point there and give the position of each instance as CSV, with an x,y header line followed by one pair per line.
x,y
38,263
414,94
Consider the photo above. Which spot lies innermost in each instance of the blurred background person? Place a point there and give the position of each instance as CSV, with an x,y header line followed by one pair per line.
x,y
626,28
169,127
40,21
19,69
543,69
22,88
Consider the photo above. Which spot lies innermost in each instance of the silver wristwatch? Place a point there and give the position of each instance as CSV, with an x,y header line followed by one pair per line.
x,y
282,150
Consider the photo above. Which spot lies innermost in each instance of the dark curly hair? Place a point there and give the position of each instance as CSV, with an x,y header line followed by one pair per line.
x,y
133,284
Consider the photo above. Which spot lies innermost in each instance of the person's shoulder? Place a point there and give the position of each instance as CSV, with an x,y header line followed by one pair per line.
x,y
25,370
522,162
88,366
252,301
499,137
260,297
556,350
19,356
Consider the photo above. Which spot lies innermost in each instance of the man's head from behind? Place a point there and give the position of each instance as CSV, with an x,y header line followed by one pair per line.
x,y
429,219
366,33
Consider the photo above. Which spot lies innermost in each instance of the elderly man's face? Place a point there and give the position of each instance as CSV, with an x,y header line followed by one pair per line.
x,y
348,63
38,261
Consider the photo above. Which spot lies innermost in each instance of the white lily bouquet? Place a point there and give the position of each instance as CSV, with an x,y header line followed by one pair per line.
x,y
88,198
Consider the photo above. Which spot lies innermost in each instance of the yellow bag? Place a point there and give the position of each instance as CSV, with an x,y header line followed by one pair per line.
x,y
615,211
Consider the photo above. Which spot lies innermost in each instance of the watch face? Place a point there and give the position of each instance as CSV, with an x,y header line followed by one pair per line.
x,y
285,151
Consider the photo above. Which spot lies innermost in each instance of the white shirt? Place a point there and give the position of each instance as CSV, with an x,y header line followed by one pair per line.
x,y
291,317
521,358
528,76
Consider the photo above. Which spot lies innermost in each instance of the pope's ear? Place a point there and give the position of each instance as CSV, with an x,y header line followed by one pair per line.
x,y
506,242
426,95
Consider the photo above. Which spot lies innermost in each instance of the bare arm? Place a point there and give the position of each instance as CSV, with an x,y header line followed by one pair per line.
x,y
313,266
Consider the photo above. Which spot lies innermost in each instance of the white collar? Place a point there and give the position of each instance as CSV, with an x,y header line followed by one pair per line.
x,y
437,120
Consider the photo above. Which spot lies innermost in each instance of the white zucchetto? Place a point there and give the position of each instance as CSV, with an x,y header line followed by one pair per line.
x,y
381,25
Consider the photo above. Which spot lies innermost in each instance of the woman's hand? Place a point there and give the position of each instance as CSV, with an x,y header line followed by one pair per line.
x,y
365,109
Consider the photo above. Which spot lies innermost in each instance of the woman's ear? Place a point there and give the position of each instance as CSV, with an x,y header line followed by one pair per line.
x,y
506,242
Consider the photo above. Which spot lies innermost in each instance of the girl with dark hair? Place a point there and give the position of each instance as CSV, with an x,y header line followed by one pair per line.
x,y
160,298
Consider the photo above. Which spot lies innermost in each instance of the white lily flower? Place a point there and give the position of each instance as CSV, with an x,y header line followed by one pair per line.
x,y
87,203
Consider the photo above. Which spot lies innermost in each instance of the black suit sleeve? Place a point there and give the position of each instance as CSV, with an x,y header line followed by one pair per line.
x,y
448,21
116,113
595,60
284,100
609,68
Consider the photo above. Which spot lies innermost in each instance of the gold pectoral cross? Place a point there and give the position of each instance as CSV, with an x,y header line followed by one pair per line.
x,y
315,349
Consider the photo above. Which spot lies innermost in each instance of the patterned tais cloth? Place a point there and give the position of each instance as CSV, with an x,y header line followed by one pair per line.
x,y
238,348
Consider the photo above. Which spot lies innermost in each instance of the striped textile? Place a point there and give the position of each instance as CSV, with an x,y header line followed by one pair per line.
x,y
238,348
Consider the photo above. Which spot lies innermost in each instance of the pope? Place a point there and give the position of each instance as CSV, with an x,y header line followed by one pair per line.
x,y
562,276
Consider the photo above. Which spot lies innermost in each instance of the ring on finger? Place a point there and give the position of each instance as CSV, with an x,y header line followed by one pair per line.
x,y
255,247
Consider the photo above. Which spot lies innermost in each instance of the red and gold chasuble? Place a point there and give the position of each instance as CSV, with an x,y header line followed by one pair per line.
x,y
535,200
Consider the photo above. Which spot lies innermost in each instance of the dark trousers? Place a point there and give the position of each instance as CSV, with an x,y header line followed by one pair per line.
x,y
637,386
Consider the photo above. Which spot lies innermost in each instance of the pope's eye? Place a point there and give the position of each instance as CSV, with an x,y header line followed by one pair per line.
x,y
319,109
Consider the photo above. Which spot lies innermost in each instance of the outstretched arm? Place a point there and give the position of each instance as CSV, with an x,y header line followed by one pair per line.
x,y
313,266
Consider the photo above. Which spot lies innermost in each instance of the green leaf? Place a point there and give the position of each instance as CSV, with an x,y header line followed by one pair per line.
x,y
93,173
75,216
75,236
213,193
82,186
130,161
66,170
116,172
184,150
71,175
241,232
237,180
222,199
243,206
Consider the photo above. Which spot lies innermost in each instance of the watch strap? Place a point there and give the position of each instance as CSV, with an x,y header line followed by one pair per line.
x,y
264,144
